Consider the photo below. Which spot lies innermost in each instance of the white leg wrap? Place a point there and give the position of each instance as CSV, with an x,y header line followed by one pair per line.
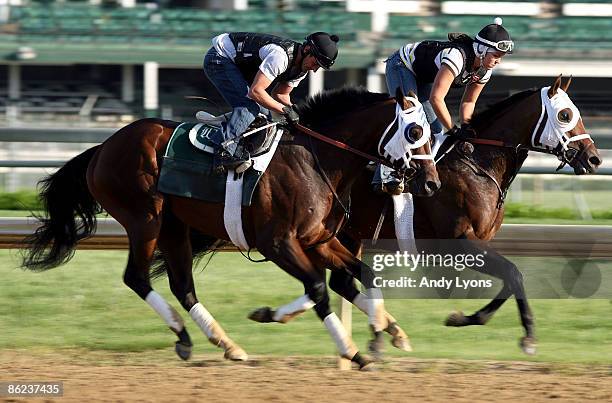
x,y
337,331
288,311
361,302
163,309
376,309
208,324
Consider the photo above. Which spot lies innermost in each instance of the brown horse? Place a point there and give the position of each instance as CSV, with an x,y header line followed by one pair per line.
x,y
292,221
470,203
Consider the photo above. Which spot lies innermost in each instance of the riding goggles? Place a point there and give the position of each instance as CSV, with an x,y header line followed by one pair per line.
x,y
506,46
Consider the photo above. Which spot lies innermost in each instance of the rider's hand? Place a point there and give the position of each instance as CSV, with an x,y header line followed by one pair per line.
x,y
291,115
462,133
453,131
467,131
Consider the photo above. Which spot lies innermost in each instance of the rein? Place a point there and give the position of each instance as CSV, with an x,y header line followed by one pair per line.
x,y
488,142
477,169
502,144
563,156
342,146
347,208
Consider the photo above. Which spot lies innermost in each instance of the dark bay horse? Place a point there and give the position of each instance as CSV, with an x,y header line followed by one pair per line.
x,y
297,209
470,203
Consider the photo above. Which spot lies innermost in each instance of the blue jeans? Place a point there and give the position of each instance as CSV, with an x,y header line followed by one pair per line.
x,y
228,80
397,76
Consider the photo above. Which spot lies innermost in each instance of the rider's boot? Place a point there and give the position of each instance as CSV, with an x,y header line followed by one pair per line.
x,y
231,156
387,181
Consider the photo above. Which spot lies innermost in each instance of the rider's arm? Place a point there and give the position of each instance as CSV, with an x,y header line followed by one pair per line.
x,y
257,92
440,88
281,93
468,102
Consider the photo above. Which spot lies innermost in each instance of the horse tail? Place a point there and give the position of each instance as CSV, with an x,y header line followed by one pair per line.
x,y
201,245
65,197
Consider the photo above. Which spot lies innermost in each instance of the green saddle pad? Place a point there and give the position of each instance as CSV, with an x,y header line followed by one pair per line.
x,y
189,172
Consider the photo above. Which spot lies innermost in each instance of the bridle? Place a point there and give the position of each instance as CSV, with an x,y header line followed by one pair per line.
x,y
564,153
343,146
383,161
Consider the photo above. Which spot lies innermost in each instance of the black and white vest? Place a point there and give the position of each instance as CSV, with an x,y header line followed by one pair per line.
x,y
425,53
247,58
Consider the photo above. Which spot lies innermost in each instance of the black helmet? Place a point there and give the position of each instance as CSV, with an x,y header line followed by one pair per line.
x,y
495,36
323,47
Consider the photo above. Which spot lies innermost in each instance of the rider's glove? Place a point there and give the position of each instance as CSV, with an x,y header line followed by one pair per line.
x,y
467,131
291,115
464,132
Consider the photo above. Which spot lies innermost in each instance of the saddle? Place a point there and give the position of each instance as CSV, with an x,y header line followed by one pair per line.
x,y
208,134
189,168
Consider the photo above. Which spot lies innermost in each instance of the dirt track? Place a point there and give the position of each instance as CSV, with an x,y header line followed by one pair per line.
x,y
105,376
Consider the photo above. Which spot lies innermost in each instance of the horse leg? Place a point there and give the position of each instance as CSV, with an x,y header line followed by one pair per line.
x,y
342,283
284,313
175,245
484,314
336,256
498,266
136,276
289,256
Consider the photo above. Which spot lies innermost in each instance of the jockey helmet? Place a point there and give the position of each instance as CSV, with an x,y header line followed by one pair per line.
x,y
493,37
323,47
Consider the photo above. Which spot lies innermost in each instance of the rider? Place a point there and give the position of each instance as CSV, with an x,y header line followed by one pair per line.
x,y
431,68
243,65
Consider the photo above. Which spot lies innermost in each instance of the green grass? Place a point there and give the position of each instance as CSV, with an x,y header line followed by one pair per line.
x,y
555,221
596,200
508,219
556,204
21,200
15,213
84,304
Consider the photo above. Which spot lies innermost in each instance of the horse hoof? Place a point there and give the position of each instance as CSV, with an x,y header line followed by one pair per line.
x,y
235,353
183,350
368,367
365,362
262,315
376,347
528,345
456,319
402,343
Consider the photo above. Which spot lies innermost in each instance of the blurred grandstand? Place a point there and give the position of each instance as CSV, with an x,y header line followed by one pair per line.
x,y
102,63
72,60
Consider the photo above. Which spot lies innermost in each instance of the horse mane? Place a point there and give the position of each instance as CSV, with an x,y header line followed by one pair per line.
x,y
488,115
321,108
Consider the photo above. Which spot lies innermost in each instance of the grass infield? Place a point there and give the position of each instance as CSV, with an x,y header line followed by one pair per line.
x,y
85,305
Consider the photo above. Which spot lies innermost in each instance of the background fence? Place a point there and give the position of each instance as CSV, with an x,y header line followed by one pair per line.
x,y
512,239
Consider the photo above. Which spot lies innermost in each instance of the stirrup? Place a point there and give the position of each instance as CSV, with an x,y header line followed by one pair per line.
x,y
224,161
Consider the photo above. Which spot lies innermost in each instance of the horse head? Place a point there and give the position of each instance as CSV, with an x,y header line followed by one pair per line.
x,y
565,131
406,145
544,120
